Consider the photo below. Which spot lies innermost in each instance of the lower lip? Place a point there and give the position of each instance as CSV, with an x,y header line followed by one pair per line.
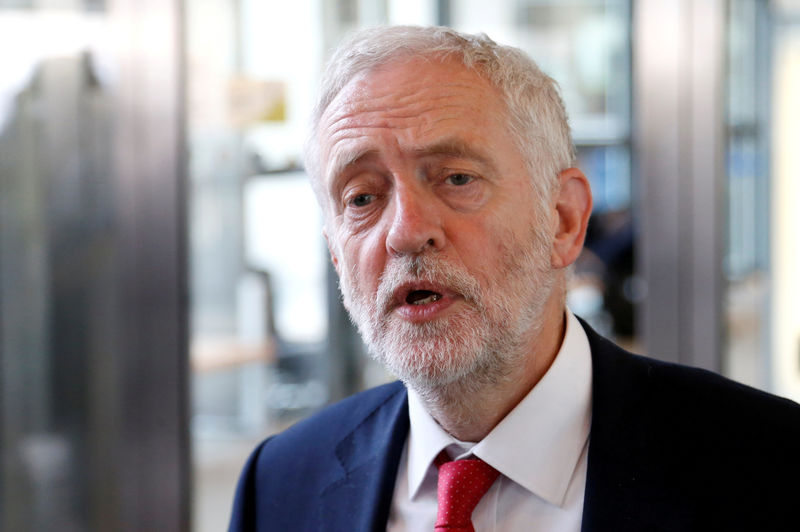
x,y
426,312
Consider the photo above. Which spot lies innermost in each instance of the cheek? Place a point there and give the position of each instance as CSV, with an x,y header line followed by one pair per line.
x,y
365,258
486,248
478,241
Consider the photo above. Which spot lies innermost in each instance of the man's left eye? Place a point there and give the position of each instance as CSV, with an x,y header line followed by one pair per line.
x,y
459,179
362,200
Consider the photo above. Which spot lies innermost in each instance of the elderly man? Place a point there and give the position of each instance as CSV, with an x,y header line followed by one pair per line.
x,y
446,171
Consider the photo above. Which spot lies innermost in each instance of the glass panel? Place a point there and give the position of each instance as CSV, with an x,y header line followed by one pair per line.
x,y
259,316
746,261
608,169
784,216
584,45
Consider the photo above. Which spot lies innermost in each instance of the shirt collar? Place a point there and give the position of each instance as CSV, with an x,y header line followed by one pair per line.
x,y
538,444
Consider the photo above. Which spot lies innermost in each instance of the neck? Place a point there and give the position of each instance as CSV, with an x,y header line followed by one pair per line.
x,y
470,408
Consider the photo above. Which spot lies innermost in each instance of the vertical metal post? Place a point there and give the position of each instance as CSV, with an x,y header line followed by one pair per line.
x,y
92,274
678,138
153,453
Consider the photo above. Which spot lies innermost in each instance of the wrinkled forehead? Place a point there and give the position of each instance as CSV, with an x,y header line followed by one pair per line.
x,y
416,100
406,84
358,72
407,69
361,67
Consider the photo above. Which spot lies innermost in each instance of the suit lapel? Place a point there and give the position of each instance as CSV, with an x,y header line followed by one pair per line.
x,y
622,487
360,497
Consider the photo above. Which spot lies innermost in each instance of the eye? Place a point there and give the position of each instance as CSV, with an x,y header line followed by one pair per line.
x,y
459,179
361,200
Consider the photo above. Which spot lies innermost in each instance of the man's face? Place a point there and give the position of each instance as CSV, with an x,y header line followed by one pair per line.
x,y
432,223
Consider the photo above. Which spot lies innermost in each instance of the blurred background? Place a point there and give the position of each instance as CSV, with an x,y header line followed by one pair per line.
x,y
166,300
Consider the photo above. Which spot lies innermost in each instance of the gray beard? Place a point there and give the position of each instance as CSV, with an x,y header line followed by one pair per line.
x,y
478,346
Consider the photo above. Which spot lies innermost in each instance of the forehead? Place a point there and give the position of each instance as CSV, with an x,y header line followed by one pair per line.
x,y
409,104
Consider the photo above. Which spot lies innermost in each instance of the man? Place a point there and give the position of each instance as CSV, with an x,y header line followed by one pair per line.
x,y
445,168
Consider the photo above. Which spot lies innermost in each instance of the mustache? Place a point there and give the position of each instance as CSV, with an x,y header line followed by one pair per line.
x,y
430,268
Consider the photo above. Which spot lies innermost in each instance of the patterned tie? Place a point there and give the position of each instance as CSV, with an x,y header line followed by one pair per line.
x,y
462,484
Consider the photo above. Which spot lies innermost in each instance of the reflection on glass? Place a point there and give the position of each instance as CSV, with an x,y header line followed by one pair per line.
x,y
745,262
608,169
582,44
784,310
295,257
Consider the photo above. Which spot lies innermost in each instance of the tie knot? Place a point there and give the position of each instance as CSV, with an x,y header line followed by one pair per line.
x,y
462,484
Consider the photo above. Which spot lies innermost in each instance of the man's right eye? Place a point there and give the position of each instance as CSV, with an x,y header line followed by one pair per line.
x,y
361,200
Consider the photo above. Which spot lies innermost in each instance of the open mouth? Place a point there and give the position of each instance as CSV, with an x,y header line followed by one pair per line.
x,y
422,297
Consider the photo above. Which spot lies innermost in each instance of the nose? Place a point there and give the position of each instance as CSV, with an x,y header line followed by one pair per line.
x,y
416,223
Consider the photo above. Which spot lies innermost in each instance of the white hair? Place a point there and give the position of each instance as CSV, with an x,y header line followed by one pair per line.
x,y
537,117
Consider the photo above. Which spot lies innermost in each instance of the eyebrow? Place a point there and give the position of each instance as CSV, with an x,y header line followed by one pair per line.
x,y
455,148
343,161
449,147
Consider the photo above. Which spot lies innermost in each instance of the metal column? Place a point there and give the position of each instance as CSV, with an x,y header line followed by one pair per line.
x,y
678,57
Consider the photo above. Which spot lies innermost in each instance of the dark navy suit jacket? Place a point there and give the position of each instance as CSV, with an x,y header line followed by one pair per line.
x,y
671,449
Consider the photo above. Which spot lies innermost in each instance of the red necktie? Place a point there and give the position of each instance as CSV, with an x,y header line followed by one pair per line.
x,y
461,485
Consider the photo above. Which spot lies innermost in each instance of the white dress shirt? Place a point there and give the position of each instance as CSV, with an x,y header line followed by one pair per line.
x,y
540,449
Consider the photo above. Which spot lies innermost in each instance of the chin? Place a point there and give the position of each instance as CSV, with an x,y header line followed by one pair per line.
x,y
435,355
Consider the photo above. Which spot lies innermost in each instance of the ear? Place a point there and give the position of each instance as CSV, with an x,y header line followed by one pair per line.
x,y
334,259
573,207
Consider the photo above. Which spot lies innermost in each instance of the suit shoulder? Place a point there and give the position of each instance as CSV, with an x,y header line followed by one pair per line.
x,y
707,452
693,413
322,431
691,390
291,468
708,393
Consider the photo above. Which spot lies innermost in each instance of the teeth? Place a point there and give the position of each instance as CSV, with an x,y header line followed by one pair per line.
x,y
430,299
